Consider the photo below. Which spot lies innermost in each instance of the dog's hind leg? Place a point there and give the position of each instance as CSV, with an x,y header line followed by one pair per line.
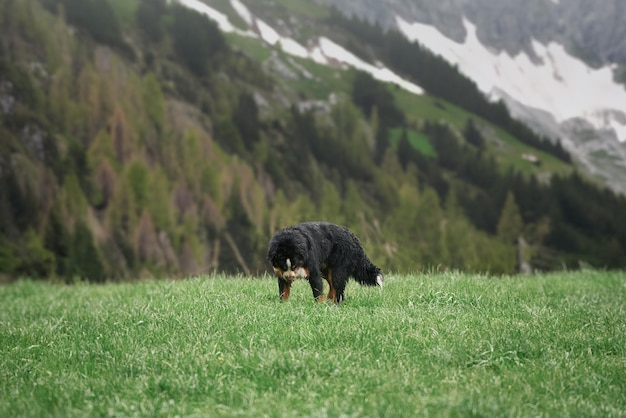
x,y
332,294
340,280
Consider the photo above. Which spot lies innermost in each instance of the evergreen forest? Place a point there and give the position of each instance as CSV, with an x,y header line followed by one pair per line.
x,y
137,140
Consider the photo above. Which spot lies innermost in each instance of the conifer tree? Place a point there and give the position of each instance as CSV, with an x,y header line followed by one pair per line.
x,y
149,15
83,260
153,100
473,135
510,224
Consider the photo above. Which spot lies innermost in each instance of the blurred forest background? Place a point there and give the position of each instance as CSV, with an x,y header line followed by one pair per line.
x,y
137,140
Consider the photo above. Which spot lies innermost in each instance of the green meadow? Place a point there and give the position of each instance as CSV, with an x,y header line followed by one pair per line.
x,y
435,344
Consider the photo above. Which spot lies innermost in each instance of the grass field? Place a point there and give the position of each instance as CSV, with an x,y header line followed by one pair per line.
x,y
418,140
441,344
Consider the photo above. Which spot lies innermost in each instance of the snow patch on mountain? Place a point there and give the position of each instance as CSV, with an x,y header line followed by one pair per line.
x,y
268,34
328,52
560,84
322,50
221,19
607,120
243,12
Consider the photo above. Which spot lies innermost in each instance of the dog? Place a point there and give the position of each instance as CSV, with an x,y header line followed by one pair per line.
x,y
316,250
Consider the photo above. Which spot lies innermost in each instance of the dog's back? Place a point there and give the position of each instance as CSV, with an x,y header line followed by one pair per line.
x,y
335,243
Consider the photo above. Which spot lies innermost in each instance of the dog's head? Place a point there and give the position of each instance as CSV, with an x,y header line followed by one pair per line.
x,y
372,276
379,279
287,253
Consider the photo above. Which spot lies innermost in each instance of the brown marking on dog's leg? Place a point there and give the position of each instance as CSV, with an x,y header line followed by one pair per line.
x,y
284,288
286,291
326,278
320,298
332,294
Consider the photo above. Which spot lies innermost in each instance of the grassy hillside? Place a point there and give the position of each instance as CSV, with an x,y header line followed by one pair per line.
x,y
507,149
438,344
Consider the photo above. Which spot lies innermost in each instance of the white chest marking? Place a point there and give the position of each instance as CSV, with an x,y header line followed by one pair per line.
x,y
292,272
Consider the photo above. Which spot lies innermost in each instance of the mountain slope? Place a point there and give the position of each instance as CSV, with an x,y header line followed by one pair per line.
x,y
592,31
525,54
437,77
139,140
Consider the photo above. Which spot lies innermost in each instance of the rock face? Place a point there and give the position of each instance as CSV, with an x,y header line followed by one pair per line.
x,y
593,32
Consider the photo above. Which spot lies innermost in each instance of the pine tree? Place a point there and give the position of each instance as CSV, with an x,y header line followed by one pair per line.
x,y
149,15
38,261
83,260
510,224
509,230
473,135
153,100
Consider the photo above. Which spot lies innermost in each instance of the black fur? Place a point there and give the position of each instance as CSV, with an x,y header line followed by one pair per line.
x,y
320,250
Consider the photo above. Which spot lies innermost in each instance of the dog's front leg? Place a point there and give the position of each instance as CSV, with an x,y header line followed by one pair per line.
x,y
317,285
284,288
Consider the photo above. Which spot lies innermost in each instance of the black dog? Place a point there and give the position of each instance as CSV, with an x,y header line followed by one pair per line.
x,y
313,250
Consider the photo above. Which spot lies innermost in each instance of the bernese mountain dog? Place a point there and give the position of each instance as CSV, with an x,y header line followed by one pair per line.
x,y
316,250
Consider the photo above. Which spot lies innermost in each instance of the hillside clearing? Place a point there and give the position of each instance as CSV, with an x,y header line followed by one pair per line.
x,y
445,344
